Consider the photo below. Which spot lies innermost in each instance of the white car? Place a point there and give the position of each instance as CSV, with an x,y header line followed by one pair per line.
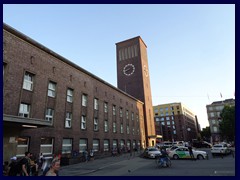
x,y
220,149
183,153
151,152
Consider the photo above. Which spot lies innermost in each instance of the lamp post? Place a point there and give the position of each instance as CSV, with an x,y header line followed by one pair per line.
x,y
188,130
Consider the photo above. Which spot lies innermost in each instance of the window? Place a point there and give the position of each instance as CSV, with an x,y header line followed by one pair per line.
x,y
106,145
22,146
105,126
127,129
166,109
137,118
114,143
70,95
121,128
51,89
215,129
163,123
114,110
95,104
82,145
132,116
156,110
133,131
95,144
166,113
105,107
126,114
24,110
168,122
167,118
67,146
83,122
28,81
84,100
95,124
210,108
68,121
114,127
212,114
121,112
46,147
49,114
213,121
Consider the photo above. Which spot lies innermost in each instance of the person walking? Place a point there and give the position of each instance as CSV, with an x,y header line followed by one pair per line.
x,y
25,164
191,152
54,168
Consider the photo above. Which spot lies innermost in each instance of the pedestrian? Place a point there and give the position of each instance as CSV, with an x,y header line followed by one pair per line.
x,y
91,154
54,168
25,165
190,152
85,154
5,168
13,169
40,161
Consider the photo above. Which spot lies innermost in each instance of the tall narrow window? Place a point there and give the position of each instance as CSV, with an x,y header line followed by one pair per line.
x,y
105,107
121,112
126,114
83,122
52,89
137,118
84,100
70,95
105,126
95,123
68,122
132,116
121,128
49,114
114,110
127,129
95,104
114,127
24,110
28,81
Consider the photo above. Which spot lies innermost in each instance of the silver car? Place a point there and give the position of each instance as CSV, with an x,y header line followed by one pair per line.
x,y
151,152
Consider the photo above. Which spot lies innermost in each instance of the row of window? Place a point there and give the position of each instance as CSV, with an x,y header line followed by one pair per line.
x,y
24,111
47,144
28,85
166,109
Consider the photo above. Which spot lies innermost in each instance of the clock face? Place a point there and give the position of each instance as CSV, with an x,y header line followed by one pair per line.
x,y
128,69
145,70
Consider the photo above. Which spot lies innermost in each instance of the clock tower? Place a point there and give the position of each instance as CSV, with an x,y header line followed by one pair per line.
x,y
133,78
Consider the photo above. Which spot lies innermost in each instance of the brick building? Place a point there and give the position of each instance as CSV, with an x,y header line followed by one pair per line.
x,y
53,106
176,122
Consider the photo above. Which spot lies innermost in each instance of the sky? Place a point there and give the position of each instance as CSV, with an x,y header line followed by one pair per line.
x,y
190,47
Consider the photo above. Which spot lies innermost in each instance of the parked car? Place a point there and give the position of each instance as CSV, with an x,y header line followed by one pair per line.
x,y
220,149
183,153
172,148
151,152
201,144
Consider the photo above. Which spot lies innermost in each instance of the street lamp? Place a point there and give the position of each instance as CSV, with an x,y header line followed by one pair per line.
x,y
188,130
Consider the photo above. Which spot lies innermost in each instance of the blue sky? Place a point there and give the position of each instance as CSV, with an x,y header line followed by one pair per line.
x,y
191,48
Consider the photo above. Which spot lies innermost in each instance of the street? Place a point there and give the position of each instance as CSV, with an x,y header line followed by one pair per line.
x,y
135,166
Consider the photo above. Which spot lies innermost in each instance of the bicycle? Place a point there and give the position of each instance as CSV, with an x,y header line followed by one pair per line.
x,y
163,161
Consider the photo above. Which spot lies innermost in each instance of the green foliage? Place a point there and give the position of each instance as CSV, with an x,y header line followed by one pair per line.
x,y
227,124
206,133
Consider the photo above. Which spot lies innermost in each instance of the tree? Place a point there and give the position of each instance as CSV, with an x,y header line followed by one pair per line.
x,y
227,123
206,133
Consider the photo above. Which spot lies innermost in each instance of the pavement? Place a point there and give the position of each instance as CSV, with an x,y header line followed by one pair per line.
x,y
84,168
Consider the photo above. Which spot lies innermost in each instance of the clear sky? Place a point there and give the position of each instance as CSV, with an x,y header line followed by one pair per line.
x,y
191,48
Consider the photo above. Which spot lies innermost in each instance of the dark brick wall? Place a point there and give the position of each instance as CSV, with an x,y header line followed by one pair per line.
x,y
21,55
